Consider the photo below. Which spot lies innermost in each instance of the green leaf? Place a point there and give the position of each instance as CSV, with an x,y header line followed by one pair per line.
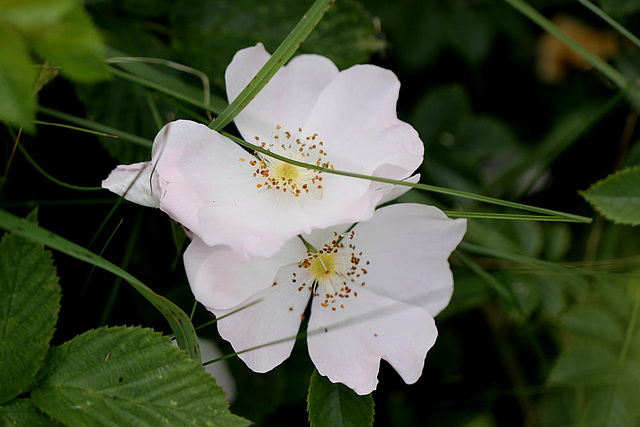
x,y
620,7
346,34
22,412
606,407
26,14
128,376
582,365
593,322
17,80
470,34
336,405
28,312
179,321
74,44
617,197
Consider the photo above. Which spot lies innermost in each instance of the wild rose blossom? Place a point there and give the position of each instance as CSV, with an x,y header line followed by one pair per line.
x,y
374,288
310,112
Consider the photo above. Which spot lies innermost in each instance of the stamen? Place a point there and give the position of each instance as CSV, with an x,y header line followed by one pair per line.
x,y
286,177
333,271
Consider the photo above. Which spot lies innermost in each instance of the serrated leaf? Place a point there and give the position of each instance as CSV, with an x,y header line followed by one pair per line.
x,y
594,322
617,197
128,376
17,80
336,405
179,321
28,312
22,412
582,364
74,44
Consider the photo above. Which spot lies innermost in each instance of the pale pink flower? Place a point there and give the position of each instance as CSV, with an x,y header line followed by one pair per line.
x,y
374,289
309,111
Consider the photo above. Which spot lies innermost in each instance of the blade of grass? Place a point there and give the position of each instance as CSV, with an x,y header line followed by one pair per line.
x,y
79,129
16,139
282,54
154,109
631,326
506,216
596,62
126,259
167,83
178,320
555,143
90,124
213,107
206,85
519,259
51,178
609,20
478,197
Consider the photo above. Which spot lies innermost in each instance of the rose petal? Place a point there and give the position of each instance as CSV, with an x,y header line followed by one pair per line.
x,y
288,97
408,245
136,183
221,278
392,192
355,117
263,331
346,345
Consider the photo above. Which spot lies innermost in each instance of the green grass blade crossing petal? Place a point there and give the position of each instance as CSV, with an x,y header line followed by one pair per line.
x,y
282,54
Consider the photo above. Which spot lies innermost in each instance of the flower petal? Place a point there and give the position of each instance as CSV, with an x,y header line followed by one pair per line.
x,y
136,183
221,278
214,194
407,246
263,331
355,116
201,168
346,345
288,97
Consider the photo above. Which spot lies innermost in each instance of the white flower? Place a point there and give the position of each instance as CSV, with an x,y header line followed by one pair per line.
x,y
374,291
309,111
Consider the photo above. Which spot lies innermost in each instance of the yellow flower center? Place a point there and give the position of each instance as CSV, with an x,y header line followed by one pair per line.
x,y
323,266
279,175
333,273
286,172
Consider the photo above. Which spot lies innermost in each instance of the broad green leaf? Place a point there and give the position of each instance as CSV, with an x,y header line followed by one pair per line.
x,y
440,113
593,322
606,407
179,321
123,105
346,34
561,408
617,197
28,312
128,376
74,44
26,14
22,412
470,34
582,365
525,288
17,80
518,237
336,405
